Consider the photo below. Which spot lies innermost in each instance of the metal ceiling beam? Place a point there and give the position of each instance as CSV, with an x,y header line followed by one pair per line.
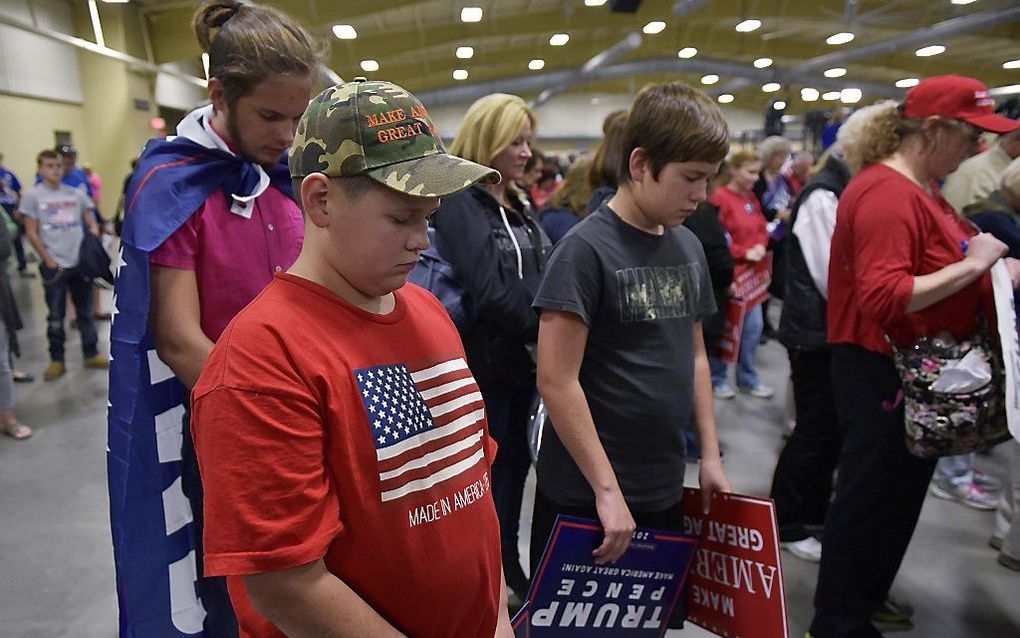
x,y
939,31
328,76
598,61
136,64
683,7
566,78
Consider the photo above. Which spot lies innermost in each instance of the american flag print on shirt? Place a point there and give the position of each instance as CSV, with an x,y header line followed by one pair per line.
x,y
427,424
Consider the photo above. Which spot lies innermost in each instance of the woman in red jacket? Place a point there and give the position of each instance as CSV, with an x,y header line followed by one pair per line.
x,y
740,214
903,264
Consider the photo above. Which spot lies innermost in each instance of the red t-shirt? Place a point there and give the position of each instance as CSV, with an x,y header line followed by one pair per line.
x,y
741,216
888,231
324,431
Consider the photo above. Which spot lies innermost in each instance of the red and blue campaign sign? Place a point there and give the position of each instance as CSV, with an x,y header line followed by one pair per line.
x,y
735,588
572,596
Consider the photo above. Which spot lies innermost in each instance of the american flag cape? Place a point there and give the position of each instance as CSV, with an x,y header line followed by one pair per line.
x,y
153,538
426,422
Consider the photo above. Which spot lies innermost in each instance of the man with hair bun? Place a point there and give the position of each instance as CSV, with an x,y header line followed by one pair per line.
x,y
209,219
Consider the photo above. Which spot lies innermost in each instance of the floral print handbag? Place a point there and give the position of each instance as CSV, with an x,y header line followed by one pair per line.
x,y
950,423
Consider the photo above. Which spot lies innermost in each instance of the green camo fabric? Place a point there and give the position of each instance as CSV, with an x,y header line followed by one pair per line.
x,y
380,130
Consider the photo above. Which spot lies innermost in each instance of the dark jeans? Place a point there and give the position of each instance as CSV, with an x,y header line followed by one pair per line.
x,y
802,484
880,488
56,284
220,621
19,246
544,519
507,410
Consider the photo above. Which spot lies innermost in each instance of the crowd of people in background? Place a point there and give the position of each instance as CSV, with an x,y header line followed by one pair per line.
x,y
888,231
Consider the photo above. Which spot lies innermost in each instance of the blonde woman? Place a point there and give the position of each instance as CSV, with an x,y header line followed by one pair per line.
x,y
498,253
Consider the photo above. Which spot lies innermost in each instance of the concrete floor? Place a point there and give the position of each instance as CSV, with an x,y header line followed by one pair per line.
x,y
56,570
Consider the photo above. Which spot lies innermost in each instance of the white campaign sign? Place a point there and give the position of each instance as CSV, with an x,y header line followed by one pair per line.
x,y
1006,313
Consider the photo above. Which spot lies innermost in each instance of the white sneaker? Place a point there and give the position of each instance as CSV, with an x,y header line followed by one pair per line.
x,y
761,391
809,549
970,495
723,392
987,482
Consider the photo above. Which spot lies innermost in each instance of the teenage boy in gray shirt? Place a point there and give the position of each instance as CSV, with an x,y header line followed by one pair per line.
x,y
56,217
621,360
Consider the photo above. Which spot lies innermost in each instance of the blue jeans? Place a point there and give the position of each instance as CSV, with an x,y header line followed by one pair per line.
x,y
56,285
747,376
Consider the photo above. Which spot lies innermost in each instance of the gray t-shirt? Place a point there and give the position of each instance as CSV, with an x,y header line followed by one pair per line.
x,y
59,212
640,295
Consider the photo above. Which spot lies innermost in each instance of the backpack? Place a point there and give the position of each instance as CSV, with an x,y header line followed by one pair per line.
x,y
436,275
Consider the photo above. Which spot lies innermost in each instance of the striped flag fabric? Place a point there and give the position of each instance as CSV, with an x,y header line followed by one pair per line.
x,y
427,424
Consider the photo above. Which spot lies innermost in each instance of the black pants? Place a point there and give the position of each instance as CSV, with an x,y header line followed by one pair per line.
x,y
508,410
56,284
544,519
220,620
802,483
879,492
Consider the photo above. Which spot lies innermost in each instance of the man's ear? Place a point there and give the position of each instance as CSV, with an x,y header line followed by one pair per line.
x,y
315,197
217,95
639,165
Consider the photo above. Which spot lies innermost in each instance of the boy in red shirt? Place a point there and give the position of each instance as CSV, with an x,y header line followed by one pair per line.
x,y
341,437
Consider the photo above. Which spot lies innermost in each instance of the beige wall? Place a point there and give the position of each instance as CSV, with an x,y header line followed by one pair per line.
x,y
27,127
114,129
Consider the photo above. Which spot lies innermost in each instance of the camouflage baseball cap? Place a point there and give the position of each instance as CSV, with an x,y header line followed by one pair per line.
x,y
380,130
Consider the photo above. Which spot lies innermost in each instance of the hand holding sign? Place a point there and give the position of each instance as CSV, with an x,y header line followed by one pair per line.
x,y
633,598
618,524
712,479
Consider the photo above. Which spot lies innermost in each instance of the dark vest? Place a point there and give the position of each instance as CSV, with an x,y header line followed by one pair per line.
x,y
803,322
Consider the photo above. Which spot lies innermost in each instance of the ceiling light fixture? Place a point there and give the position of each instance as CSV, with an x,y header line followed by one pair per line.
x,y
369,65
687,52
471,14
711,78
559,39
594,3
460,74
344,31
809,95
927,52
906,83
465,53
655,26
771,87
748,25
1011,64
830,96
536,65
762,63
850,96
779,106
962,1
836,72
725,98
840,38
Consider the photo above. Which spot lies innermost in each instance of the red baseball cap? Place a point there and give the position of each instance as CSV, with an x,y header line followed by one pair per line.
x,y
958,98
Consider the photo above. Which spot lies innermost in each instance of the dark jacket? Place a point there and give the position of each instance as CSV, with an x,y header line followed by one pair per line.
x,y
557,221
704,223
993,215
8,307
802,324
602,194
472,236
